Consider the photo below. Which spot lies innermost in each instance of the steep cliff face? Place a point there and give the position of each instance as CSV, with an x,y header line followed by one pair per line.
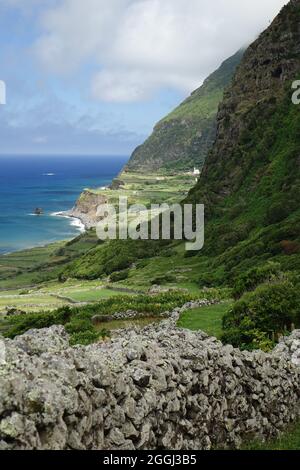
x,y
259,88
86,207
183,138
250,183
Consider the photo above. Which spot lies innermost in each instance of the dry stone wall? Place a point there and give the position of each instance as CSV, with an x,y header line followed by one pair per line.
x,y
159,388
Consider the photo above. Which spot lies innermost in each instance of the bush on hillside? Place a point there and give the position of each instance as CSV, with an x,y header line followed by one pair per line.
x,y
260,316
112,256
84,338
249,280
276,213
160,280
78,325
119,276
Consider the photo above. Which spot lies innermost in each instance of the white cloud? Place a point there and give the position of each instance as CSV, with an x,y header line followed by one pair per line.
x,y
141,46
40,139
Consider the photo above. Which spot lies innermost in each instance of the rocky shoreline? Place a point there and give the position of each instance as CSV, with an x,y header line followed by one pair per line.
x,y
85,209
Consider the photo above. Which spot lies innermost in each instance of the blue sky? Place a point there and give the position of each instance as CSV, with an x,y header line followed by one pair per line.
x,y
94,76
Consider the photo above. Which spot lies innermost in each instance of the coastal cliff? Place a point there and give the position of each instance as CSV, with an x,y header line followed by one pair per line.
x,y
251,178
179,142
257,117
86,207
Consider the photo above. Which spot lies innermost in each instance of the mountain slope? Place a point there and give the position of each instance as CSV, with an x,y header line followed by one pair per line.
x,y
183,138
250,183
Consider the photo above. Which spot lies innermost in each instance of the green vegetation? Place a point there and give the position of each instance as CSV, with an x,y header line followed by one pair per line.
x,y
207,319
242,231
78,320
289,440
119,276
250,187
109,257
29,268
141,322
249,280
50,295
258,318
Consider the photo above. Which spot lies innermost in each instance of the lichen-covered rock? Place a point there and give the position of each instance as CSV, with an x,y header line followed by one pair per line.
x,y
161,387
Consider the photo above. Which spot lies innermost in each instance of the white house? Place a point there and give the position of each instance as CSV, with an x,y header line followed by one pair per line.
x,y
196,172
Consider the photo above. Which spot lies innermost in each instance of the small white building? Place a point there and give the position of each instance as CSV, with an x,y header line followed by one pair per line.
x,y
196,172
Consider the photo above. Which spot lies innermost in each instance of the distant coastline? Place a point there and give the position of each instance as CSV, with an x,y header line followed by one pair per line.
x,y
54,184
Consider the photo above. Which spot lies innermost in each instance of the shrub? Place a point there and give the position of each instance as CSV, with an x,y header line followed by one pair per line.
x,y
119,276
24,292
276,213
206,280
64,313
85,338
160,280
190,253
112,256
142,264
18,325
259,316
249,280
62,278
78,325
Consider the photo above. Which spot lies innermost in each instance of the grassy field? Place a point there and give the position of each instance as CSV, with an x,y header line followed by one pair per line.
x,y
94,295
207,319
149,188
34,266
54,294
289,440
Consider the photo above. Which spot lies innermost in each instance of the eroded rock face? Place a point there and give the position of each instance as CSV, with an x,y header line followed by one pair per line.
x,y
160,387
261,82
86,208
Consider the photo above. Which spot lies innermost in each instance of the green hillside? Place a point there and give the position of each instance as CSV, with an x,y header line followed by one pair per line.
x,y
250,185
251,181
182,139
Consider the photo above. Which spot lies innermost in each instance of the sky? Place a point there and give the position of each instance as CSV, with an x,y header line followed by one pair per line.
x,y
94,76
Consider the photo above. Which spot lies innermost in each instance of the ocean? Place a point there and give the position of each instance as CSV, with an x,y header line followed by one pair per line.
x,y
50,183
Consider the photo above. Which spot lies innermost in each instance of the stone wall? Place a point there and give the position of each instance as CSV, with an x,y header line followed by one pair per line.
x,y
162,387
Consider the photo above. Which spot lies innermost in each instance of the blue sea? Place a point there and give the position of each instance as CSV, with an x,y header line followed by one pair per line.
x,y
51,183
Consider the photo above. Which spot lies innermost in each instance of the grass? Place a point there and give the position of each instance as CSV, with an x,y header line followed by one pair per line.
x,y
207,319
94,295
54,294
146,189
34,266
289,440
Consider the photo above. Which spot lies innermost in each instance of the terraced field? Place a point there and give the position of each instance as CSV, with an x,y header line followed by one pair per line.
x,y
54,294
149,188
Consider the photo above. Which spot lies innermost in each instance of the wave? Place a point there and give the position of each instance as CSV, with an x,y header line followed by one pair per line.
x,y
73,221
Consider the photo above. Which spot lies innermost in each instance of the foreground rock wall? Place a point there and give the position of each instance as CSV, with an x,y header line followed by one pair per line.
x,y
160,388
